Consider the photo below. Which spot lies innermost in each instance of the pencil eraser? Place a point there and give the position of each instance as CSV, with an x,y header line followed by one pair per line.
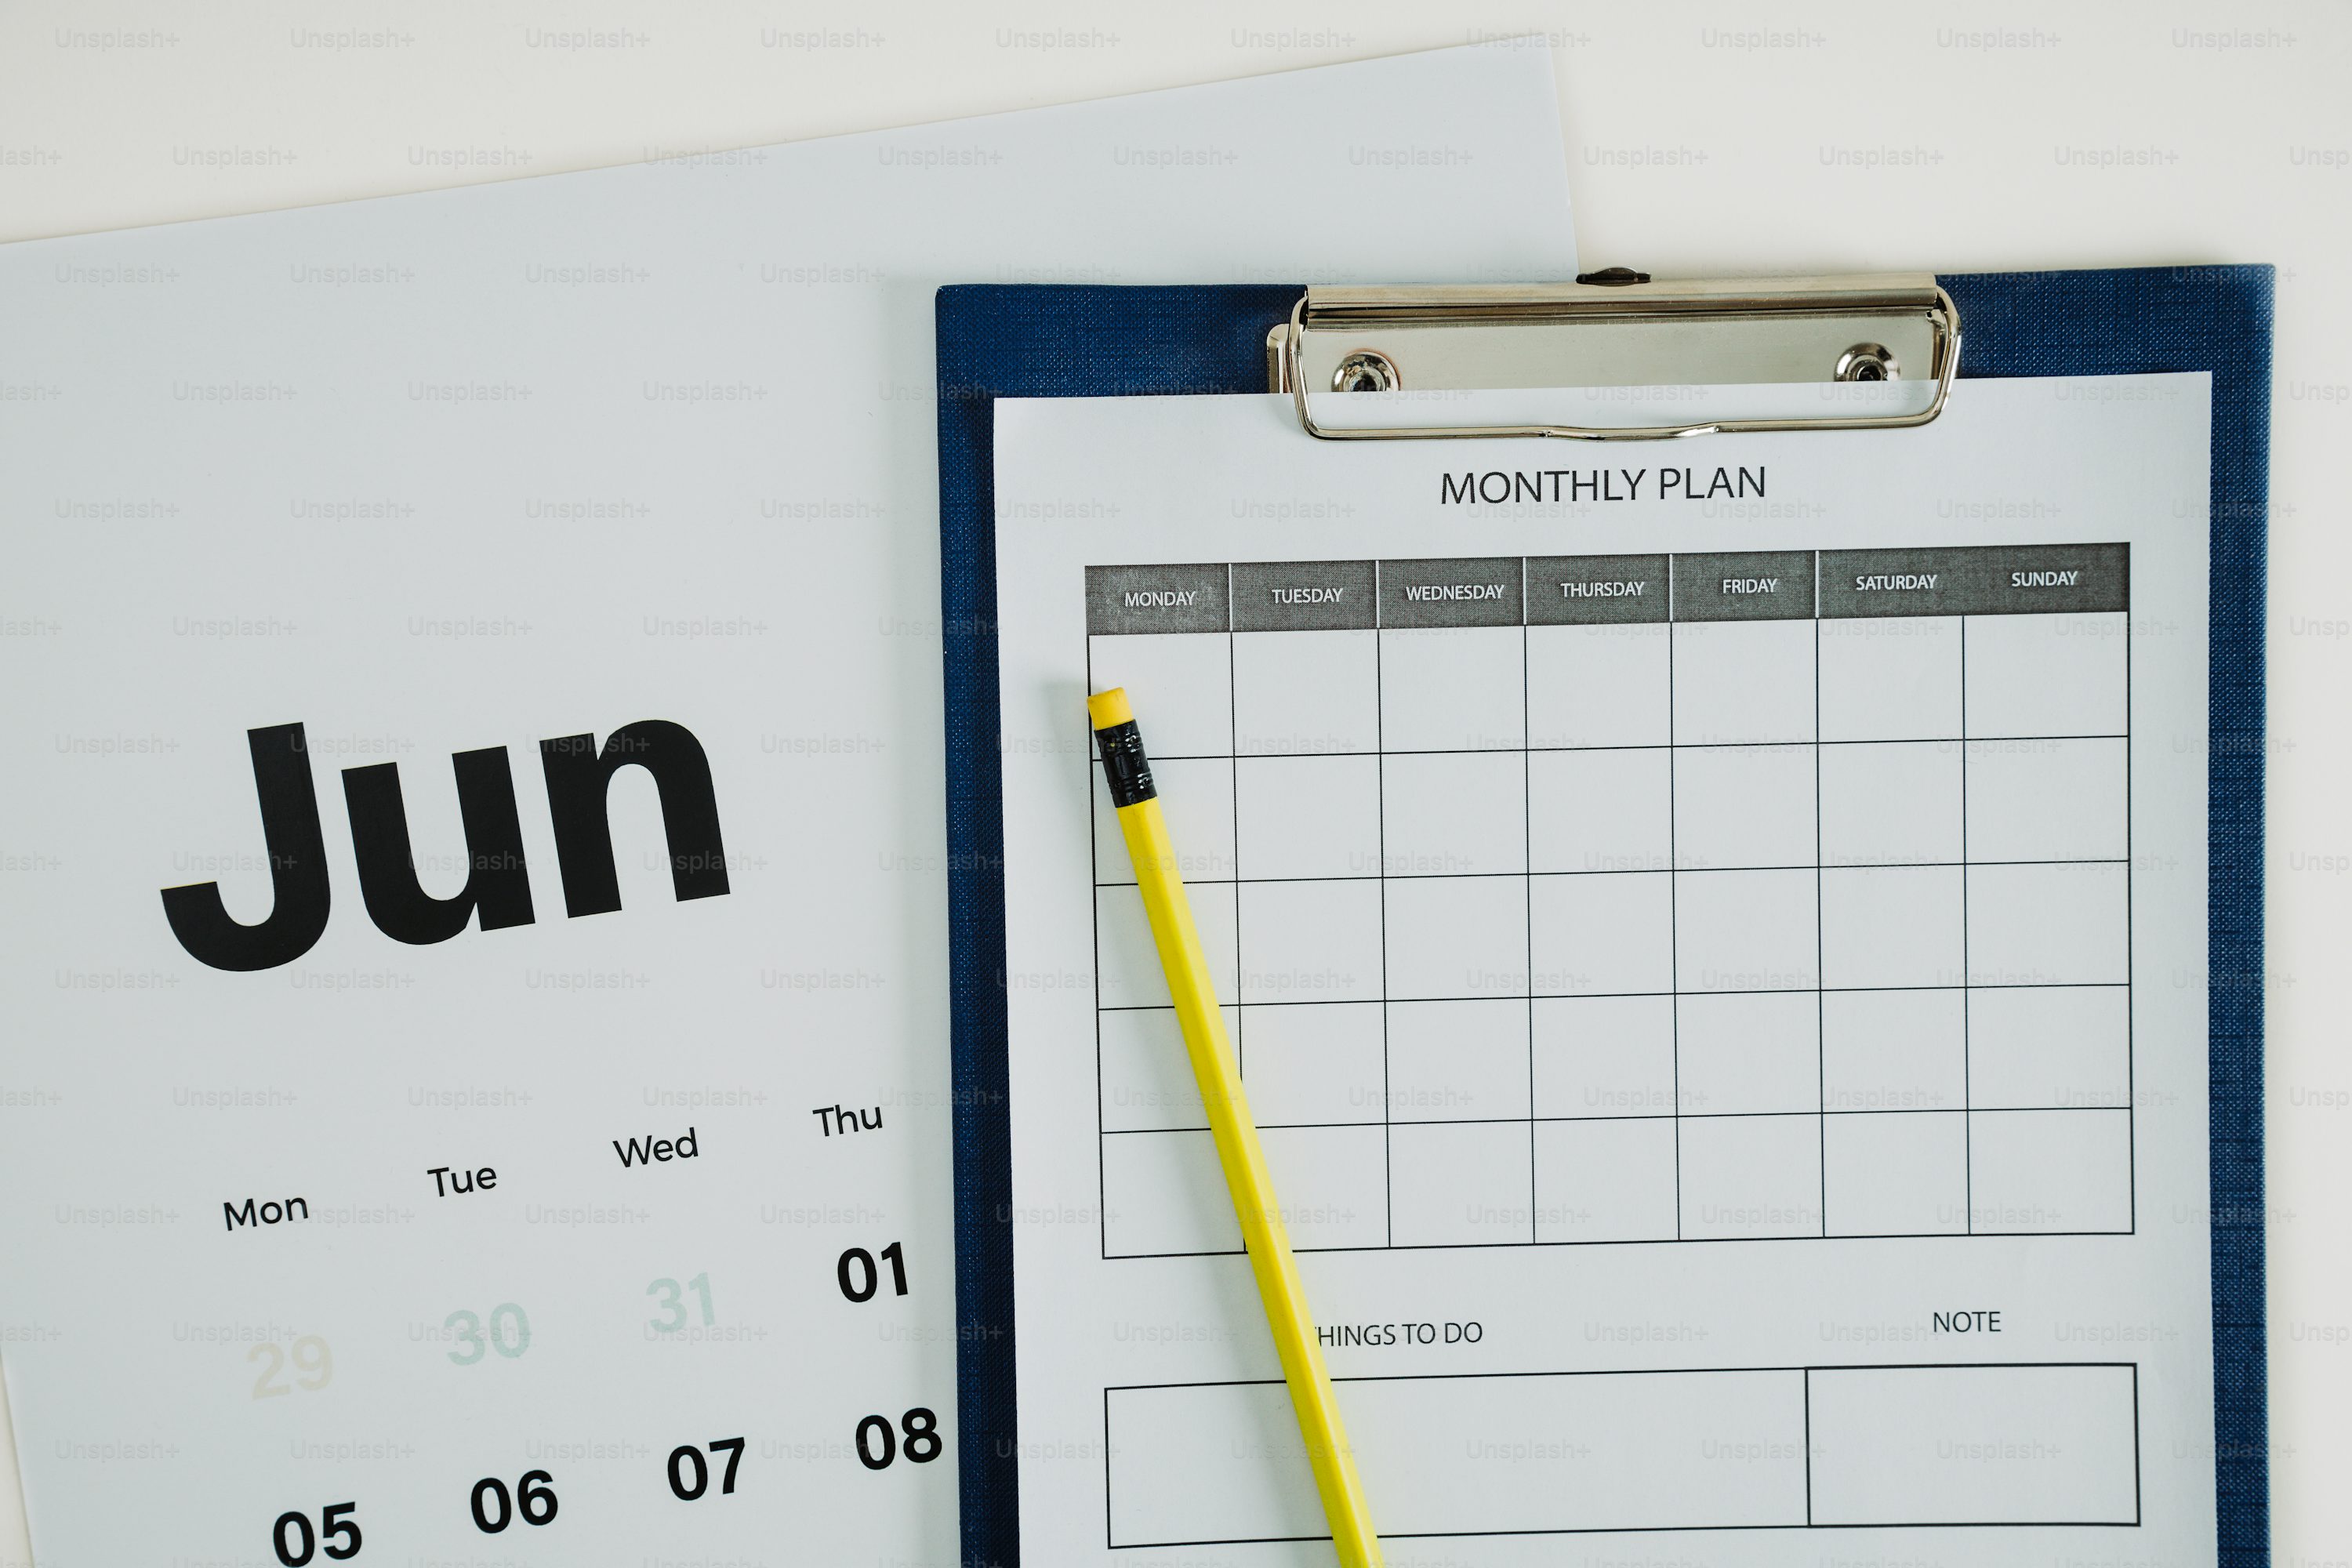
x,y
1110,707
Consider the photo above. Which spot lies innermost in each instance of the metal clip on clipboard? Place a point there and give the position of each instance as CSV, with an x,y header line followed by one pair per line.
x,y
1617,329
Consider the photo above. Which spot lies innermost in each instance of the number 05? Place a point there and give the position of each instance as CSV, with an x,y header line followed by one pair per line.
x,y
294,1552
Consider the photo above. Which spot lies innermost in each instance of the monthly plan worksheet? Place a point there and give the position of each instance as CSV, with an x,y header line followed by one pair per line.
x,y
1713,935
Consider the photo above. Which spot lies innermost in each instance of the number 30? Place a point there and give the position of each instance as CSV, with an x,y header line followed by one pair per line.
x,y
510,1334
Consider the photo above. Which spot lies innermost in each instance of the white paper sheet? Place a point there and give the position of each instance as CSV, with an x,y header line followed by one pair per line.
x,y
478,469
1721,973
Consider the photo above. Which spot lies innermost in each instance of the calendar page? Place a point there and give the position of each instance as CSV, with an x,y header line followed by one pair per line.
x,y
473,884
1713,936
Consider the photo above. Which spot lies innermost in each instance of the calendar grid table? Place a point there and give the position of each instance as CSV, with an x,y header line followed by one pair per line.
x,y
1631,898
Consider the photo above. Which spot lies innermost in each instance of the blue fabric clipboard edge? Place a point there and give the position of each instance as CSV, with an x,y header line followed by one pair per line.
x,y
1051,340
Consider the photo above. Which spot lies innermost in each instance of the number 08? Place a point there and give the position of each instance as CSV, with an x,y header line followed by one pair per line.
x,y
877,1446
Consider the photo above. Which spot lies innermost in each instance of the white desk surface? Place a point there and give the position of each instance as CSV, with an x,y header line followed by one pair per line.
x,y
1818,135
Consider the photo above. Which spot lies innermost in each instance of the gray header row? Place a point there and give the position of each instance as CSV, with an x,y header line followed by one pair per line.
x,y
1589,590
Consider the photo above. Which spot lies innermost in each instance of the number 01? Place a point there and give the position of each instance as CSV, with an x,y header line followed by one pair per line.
x,y
860,1276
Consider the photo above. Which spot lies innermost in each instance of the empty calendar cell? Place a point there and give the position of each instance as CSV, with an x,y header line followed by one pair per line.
x,y
1746,930
1458,1183
1452,688
2047,675
1304,817
1603,1056
1749,1175
1197,794
1892,925
2050,1171
2048,925
1313,1062
1183,680
2048,800
1299,693
1896,1172
1333,1182
1601,810
2046,1046
1454,813
1309,941
1163,1192
1738,807
1605,1181
1891,803
1749,1053
1456,936
1126,964
1458,1061
1147,1079
1895,677
1599,685
1742,682
1607,932
1894,1050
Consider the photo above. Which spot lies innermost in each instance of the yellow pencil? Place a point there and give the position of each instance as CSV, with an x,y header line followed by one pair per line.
x,y
1262,1233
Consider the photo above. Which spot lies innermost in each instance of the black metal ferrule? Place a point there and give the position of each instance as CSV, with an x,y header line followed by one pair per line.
x,y
1124,767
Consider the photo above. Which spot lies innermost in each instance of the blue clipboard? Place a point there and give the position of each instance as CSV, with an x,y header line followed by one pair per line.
x,y
1049,340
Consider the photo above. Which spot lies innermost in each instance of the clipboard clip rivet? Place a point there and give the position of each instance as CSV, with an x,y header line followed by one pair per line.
x,y
1868,361
1366,370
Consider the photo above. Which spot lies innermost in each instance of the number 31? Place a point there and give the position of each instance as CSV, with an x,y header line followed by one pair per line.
x,y
674,1301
